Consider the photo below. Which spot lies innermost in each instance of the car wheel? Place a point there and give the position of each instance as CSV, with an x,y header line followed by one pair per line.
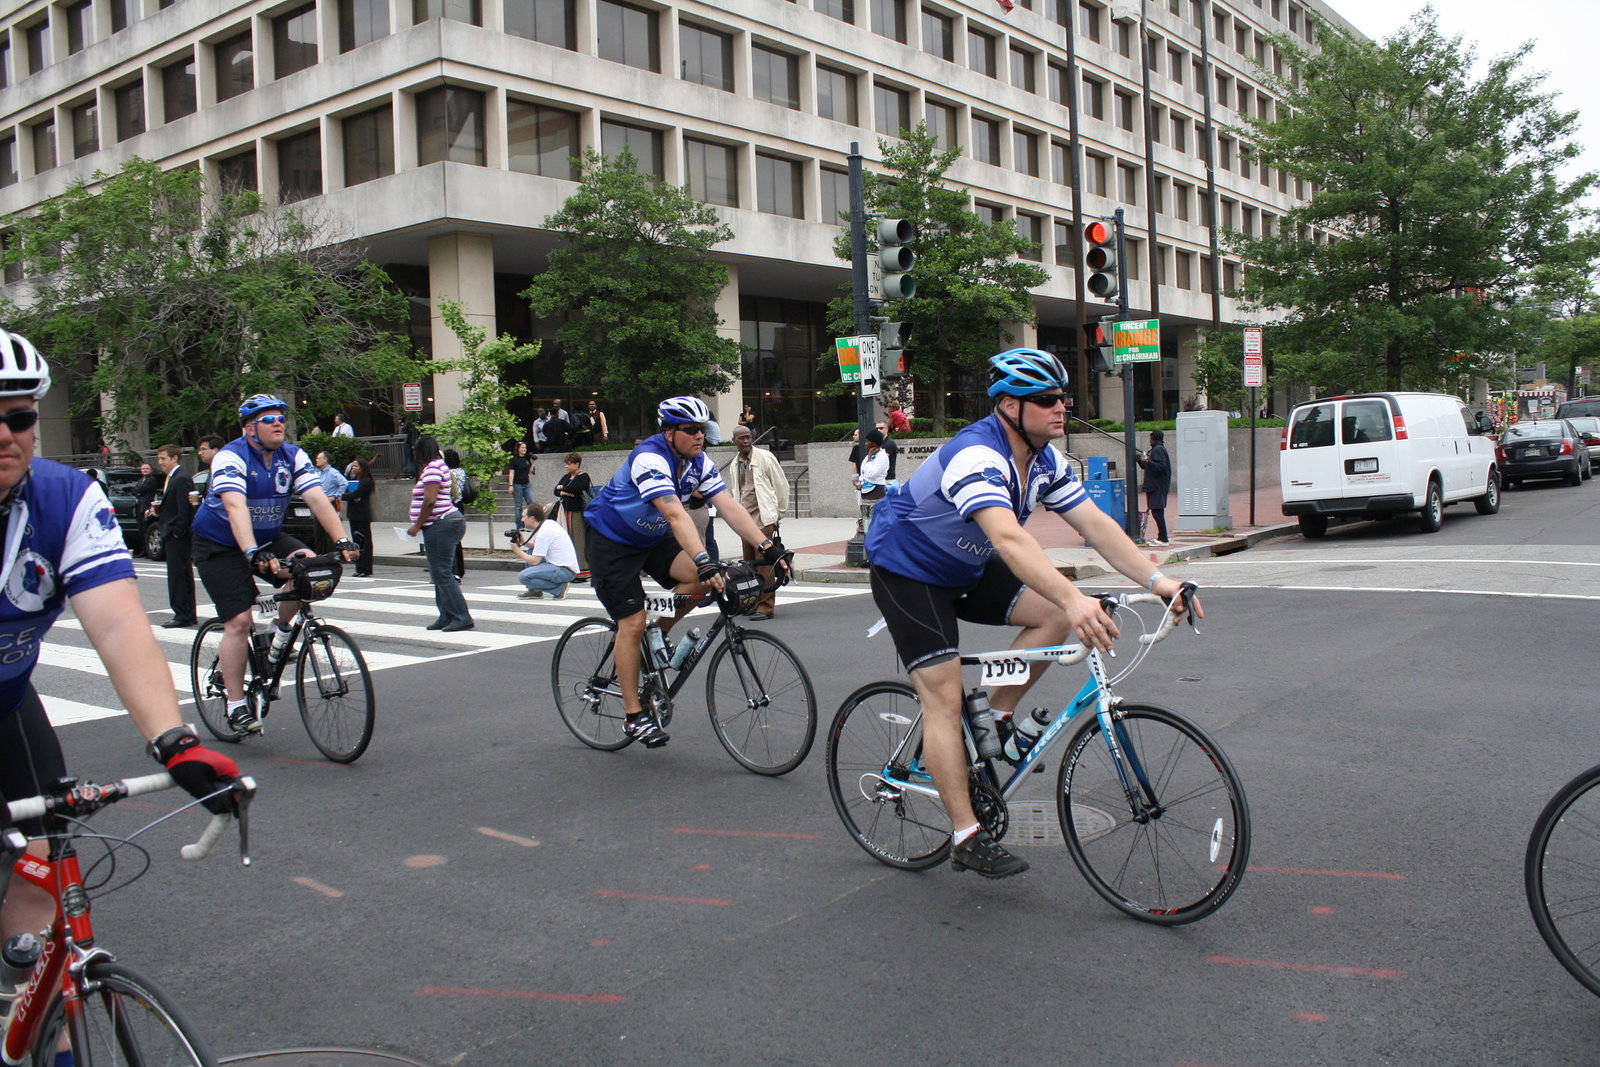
x,y
1575,475
1489,502
152,542
1432,516
1313,526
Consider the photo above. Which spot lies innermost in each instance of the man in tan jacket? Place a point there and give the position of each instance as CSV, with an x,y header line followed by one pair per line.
x,y
756,480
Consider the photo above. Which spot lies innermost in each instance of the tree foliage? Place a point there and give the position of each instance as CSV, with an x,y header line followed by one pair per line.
x,y
168,305
1437,194
636,287
479,430
969,277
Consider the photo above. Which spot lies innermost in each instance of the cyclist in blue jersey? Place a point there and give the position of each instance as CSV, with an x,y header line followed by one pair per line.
x,y
61,543
638,524
238,533
951,545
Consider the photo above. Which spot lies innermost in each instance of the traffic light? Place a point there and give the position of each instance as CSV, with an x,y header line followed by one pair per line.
x,y
895,260
892,340
1100,257
1097,346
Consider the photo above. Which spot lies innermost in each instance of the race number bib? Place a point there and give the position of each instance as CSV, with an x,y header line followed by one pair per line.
x,y
1009,671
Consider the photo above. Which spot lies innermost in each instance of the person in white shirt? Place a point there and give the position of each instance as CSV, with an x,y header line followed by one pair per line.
x,y
342,428
551,557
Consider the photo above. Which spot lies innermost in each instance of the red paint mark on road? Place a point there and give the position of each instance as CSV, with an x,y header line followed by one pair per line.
x,y
600,942
1309,1016
746,833
424,861
326,891
701,867
1320,910
1319,968
1328,874
307,762
521,994
501,835
665,900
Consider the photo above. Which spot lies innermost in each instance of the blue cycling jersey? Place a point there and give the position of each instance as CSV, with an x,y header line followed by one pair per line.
x,y
267,481
623,509
926,532
62,538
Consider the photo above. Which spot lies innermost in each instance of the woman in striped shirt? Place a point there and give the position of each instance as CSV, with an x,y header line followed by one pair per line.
x,y
442,527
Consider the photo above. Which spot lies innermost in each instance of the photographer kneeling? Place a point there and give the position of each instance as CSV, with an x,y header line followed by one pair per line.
x,y
552,560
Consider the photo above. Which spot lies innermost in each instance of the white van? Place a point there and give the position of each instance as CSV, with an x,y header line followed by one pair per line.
x,y
1375,455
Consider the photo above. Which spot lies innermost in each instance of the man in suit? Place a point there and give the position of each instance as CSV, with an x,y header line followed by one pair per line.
x,y
174,513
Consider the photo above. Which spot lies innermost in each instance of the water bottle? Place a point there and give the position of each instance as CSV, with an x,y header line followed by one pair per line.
x,y
17,957
983,728
657,644
680,655
1025,730
260,644
280,643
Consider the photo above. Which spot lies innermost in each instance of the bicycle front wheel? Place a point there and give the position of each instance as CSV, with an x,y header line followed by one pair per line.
x,y
1560,872
124,1021
584,677
1161,830
761,703
205,675
334,687
880,722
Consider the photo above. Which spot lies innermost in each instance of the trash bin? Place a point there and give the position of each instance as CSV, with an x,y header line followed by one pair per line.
x,y
1110,495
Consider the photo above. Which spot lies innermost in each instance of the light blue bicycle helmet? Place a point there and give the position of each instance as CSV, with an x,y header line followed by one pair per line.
x,y
259,403
1025,371
676,410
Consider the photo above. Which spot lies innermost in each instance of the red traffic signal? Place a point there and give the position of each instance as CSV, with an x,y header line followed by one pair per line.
x,y
1100,260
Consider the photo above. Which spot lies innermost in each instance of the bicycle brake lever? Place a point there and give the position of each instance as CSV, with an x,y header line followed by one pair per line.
x,y
1187,591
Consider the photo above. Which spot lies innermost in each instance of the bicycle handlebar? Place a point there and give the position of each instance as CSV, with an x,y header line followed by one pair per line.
x,y
87,798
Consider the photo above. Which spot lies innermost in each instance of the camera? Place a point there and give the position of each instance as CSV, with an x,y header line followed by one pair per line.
x,y
514,535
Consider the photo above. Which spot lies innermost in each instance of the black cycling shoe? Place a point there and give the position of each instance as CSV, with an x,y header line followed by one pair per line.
x,y
981,853
643,728
243,720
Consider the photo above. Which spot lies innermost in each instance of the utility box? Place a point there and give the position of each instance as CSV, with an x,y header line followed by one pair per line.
x,y
1109,494
1200,470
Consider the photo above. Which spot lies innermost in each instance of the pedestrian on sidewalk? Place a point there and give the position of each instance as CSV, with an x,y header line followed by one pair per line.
x,y
358,495
174,513
757,481
572,493
1157,466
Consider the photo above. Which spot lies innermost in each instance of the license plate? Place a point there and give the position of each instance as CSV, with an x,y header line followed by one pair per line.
x,y
304,513
1364,466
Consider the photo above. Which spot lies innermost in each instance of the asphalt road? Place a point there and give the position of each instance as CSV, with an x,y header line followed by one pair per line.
x,y
480,889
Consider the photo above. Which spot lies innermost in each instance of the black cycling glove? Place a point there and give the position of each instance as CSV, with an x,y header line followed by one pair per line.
x,y
706,568
773,552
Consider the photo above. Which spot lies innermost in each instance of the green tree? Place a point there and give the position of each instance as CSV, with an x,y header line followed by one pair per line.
x,y
969,277
480,429
1431,198
636,287
171,306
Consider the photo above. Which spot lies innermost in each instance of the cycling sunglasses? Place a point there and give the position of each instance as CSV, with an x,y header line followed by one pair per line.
x,y
272,420
1046,400
20,421
690,427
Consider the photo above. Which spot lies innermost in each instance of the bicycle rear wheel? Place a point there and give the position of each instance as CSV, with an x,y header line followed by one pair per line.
x,y
126,1022
584,677
205,675
334,687
896,826
762,706
1182,854
1562,862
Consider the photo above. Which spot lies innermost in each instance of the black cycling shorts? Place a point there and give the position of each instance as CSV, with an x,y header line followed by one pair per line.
x,y
615,569
30,755
922,618
228,576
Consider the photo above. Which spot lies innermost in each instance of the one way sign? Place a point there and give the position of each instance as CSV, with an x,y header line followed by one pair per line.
x,y
870,378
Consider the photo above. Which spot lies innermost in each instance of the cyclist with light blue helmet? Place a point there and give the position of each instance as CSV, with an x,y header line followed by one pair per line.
x,y
637,524
951,546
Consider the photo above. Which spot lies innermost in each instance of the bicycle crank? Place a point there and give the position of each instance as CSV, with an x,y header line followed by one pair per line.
x,y
990,807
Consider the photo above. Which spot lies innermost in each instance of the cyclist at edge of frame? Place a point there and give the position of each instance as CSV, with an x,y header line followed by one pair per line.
x,y
238,533
951,545
61,542
637,524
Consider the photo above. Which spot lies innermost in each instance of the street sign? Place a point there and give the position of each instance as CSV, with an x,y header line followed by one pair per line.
x,y
1255,373
411,394
1137,341
870,378
849,359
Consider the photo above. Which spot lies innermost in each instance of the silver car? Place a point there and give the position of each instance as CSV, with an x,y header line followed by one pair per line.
x,y
1589,429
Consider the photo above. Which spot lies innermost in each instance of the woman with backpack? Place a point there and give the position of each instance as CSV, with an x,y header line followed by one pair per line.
x,y
573,493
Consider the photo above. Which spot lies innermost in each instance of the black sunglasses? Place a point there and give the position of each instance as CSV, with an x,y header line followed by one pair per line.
x,y
690,427
20,421
1046,400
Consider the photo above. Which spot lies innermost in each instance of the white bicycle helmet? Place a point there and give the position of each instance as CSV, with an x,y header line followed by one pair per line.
x,y
23,372
676,410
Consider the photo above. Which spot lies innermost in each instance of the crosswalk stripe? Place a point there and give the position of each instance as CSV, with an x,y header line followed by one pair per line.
x,y
65,712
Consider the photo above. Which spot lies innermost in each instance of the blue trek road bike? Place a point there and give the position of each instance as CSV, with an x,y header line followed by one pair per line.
x,y
1152,811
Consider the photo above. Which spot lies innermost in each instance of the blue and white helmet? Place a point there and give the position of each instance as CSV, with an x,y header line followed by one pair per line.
x,y
676,410
1025,371
23,372
255,405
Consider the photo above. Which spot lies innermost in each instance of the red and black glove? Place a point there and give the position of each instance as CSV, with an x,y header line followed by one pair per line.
x,y
196,768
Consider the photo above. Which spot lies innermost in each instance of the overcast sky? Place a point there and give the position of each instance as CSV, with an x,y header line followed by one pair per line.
x,y
1564,33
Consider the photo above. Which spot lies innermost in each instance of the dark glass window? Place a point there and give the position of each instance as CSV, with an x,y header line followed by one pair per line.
x,y
938,35
299,167
469,11
628,35
80,26
8,161
85,129
450,126
775,76
236,66
237,174
713,171
843,10
1025,149
835,194
1022,70
1031,227
542,140
705,56
177,89
892,108
369,145
942,124
362,22
38,38
44,146
985,140
5,62
294,40
645,144
981,53
130,110
121,14
552,22
889,19
780,188
836,95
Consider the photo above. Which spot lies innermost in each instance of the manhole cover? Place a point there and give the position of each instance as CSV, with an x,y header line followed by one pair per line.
x,y
1034,824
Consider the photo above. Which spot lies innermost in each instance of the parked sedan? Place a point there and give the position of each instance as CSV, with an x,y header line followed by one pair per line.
x,y
119,483
1543,448
1589,429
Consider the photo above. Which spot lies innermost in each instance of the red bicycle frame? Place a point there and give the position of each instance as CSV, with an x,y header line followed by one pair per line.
x,y
60,877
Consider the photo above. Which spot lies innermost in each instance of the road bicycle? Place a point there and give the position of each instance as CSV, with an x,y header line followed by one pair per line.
x,y
1562,876
331,679
1153,814
762,706
109,1014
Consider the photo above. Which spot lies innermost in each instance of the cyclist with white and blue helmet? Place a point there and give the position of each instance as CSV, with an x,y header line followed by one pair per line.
x,y
951,546
238,532
637,524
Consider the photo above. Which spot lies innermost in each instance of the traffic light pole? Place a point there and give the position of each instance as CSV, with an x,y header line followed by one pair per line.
x,y
855,552
1131,480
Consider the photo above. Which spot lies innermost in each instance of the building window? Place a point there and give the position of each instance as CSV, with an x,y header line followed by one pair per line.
x,y
300,167
1225,153
1230,277
645,144
1180,201
85,129
1162,251
44,146
1094,174
1057,81
1031,227
628,35
80,26
1132,259
450,126
986,140
942,124
1025,151
1089,20
237,174
835,194
364,21
129,101
1244,100
713,171
236,66
1063,241
13,270
1127,183
779,188
369,145
294,41
121,15
892,109
5,61
542,140
938,35
889,19
38,41
1094,98
1176,61
705,57
469,11
988,214
1180,133
1022,70
775,77
1125,104
8,161
1061,162
836,95
1122,32
843,10
981,53
1185,271
177,89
